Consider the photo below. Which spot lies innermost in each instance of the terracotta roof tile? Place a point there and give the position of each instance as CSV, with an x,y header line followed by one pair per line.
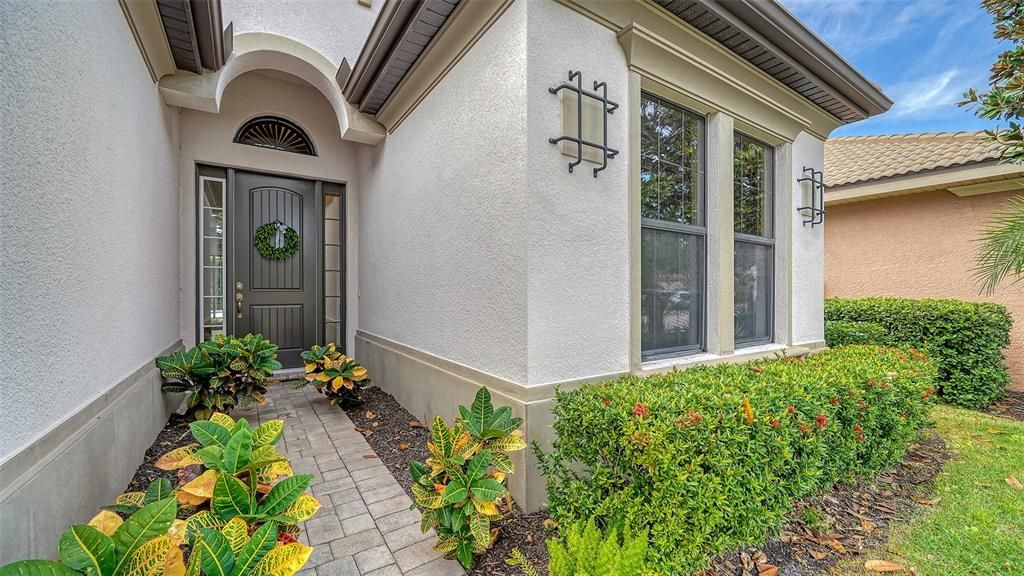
x,y
861,158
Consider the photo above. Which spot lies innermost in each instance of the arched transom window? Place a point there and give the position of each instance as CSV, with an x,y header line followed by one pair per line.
x,y
275,133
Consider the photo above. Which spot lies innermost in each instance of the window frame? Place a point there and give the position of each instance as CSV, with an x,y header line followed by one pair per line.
x,y
769,240
201,237
694,230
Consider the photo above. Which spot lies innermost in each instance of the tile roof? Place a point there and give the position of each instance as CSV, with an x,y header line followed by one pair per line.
x,y
862,158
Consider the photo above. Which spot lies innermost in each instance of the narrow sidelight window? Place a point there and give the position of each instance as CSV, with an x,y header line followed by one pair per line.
x,y
755,244
673,233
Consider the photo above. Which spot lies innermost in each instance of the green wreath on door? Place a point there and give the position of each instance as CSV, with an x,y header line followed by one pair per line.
x,y
276,241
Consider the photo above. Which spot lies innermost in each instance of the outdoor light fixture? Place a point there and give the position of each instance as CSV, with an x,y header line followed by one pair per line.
x,y
812,196
607,107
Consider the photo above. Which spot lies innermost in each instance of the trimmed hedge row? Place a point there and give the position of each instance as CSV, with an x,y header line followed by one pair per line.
x,y
713,457
843,332
965,338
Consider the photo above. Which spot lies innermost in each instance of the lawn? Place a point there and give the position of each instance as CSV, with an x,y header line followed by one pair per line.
x,y
977,527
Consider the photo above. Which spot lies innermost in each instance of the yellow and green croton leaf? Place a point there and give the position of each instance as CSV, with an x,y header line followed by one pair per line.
x,y
283,560
37,568
151,521
237,533
179,458
150,558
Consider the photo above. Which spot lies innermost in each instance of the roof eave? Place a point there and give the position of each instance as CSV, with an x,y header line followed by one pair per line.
x,y
790,37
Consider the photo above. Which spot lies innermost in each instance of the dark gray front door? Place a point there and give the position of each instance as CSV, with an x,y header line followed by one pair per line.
x,y
275,298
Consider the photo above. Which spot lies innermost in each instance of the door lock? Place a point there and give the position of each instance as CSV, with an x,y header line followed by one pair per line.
x,y
238,299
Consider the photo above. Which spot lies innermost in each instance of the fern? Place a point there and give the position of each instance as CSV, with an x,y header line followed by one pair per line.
x,y
517,558
584,551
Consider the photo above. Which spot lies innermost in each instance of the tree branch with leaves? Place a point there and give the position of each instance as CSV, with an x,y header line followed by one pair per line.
x,y
1001,254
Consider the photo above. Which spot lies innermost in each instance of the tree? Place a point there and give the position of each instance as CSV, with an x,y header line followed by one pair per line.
x,y
1002,242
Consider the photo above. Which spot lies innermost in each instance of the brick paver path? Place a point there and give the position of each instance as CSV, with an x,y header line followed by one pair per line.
x,y
364,526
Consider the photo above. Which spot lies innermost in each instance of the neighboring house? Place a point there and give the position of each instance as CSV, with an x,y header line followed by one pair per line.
x,y
904,213
443,239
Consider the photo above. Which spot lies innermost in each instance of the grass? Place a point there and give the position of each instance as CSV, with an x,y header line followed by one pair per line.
x,y
977,528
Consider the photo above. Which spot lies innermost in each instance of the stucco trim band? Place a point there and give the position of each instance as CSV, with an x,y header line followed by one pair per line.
x,y
100,446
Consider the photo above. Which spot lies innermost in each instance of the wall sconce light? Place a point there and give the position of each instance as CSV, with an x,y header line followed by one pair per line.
x,y
583,146
812,197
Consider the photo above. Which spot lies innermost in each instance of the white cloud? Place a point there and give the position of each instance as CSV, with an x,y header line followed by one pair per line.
x,y
928,96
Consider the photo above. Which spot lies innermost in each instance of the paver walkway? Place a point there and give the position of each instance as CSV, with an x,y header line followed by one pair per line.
x,y
364,526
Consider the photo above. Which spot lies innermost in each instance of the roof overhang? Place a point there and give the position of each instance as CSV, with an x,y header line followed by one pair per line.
x,y
411,47
771,38
177,35
965,180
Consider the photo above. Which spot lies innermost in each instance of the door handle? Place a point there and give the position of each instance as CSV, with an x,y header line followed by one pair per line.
x,y
238,299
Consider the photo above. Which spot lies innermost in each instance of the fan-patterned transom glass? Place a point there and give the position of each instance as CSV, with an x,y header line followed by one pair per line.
x,y
275,133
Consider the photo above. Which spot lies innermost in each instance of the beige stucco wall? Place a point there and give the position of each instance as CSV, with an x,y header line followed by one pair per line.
x,y
917,246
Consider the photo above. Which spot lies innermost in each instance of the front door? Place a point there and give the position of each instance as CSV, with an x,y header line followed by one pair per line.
x,y
276,298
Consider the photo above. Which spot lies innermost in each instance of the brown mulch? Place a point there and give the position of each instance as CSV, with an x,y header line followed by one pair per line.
x,y
174,435
1010,407
397,438
847,521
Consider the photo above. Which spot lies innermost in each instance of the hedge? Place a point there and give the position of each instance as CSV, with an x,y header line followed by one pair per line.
x,y
714,457
965,338
843,332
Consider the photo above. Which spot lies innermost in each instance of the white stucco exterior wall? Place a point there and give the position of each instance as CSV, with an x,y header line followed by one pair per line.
x,y
443,256
808,251
578,256
88,281
207,139
335,28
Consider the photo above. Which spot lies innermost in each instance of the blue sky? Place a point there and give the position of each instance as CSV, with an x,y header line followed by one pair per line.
x,y
923,53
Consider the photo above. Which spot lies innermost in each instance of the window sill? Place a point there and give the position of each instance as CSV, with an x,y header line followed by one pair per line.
x,y
741,355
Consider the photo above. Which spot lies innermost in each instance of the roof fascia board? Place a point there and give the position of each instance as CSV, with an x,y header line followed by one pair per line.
x,y
988,187
941,179
790,39
384,36
464,27
147,28
757,29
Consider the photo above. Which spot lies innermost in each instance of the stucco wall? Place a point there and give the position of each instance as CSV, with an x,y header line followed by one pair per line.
x,y
335,28
442,262
207,139
578,226
88,284
917,246
808,250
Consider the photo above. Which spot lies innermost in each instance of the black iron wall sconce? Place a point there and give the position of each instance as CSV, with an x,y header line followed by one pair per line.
x,y
607,106
813,209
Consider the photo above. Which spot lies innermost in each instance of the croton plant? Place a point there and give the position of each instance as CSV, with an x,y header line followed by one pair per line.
x,y
461,486
221,373
242,501
338,377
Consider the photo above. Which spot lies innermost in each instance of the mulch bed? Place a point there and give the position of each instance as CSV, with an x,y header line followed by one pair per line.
x,y
847,521
174,435
397,438
1010,407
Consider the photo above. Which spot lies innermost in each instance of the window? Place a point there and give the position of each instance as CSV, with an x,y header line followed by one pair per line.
x,y
755,247
276,134
673,235
333,265
212,283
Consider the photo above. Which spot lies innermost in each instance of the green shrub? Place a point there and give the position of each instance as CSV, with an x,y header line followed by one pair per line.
x,y
844,332
582,550
461,486
713,457
221,373
965,339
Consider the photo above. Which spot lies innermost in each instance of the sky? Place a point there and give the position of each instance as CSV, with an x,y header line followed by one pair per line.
x,y
923,53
